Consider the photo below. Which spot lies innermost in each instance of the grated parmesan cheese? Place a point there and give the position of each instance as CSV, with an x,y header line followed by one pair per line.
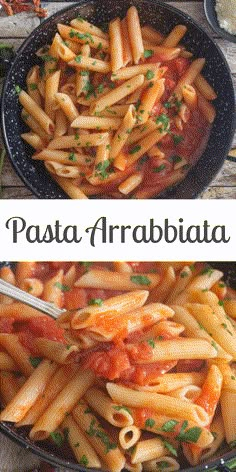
x,y
226,13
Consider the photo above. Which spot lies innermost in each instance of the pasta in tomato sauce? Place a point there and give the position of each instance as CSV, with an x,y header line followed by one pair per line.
x,y
130,374
121,114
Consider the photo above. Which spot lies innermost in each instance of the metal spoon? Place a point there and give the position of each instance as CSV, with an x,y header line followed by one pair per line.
x,y
24,297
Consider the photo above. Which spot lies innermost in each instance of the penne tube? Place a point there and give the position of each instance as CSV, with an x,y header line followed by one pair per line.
x,y
33,285
24,270
188,77
129,72
129,436
57,382
159,403
116,111
82,449
19,354
230,308
173,381
175,36
67,106
141,131
70,187
165,54
189,393
29,392
19,311
82,76
206,108
52,289
149,98
65,53
161,292
181,348
61,124
135,34
8,275
62,157
99,438
78,36
51,89
32,80
147,449
126,47
182,281
62,404
205,315
152,35
217,428
117,94
131,183
34,126
121,304
76,140
227,403
205,88
121,136
205,280
143,145
190,96
7,363
155,465
121,266
91,64
83,25
37,112
101,403
56,351
96,122
33,140
116,49
113,281
196,328
70,172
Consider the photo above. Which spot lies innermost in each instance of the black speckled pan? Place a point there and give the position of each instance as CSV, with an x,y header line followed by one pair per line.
x,y
223,461
161,16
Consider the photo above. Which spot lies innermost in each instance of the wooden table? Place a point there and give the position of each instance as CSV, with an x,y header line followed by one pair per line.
x,y
14,30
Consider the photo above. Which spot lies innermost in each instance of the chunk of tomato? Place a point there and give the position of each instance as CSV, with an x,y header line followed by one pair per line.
x,y
46,327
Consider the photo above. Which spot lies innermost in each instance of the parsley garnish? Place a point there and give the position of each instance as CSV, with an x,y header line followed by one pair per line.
x,y
18,89
177,139
148,53
63,288
191,435
149,75
95,301
33,86
163,120
232,444
170,447
169,426
140,279
149,423
120,407
208,271
35,361
175,159
135,149
151,343
57,438
78,59
72,157
159,168
76,34
84,460
102,435
102,171
48,58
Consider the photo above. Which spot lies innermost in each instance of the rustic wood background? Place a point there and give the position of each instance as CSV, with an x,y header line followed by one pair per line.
x,y
14,30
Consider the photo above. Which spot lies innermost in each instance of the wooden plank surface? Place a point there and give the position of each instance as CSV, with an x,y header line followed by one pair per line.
x,y
13,30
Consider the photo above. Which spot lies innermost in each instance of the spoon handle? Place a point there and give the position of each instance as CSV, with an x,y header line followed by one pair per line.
x,y
24,297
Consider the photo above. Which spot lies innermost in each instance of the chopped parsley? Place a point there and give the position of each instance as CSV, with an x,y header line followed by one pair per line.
x,y
100,88
191,435
33,86
221,303
164,121
170,447
102,169
207,270
57,438
48,58
214,345
150,423
84,460
83,73
92,431
232,444
18,89
121,407
79,18
183,274
95,301
78,59
177,138
86,265
135,149
72,157
141,162
148,53
169,426
35,361
175,159
159,168
151,343
140,279
149,74
162,465
63,288
83,36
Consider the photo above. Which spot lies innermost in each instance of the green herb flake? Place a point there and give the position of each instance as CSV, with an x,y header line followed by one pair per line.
x,y
159,168
35,361
232,444
177,139
92,431
221,303
33,86
68,346
183,274
208,271
57,438
141,162
84,460
102,169
148,53
140,279
79,18
170,447
175,159
100,88
164,120
214,345
169,426
76,444
18,89
63,288
162,465
135,149
86,265
150,423
48,58
121,407
149,74
151,343
78,59
95,301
